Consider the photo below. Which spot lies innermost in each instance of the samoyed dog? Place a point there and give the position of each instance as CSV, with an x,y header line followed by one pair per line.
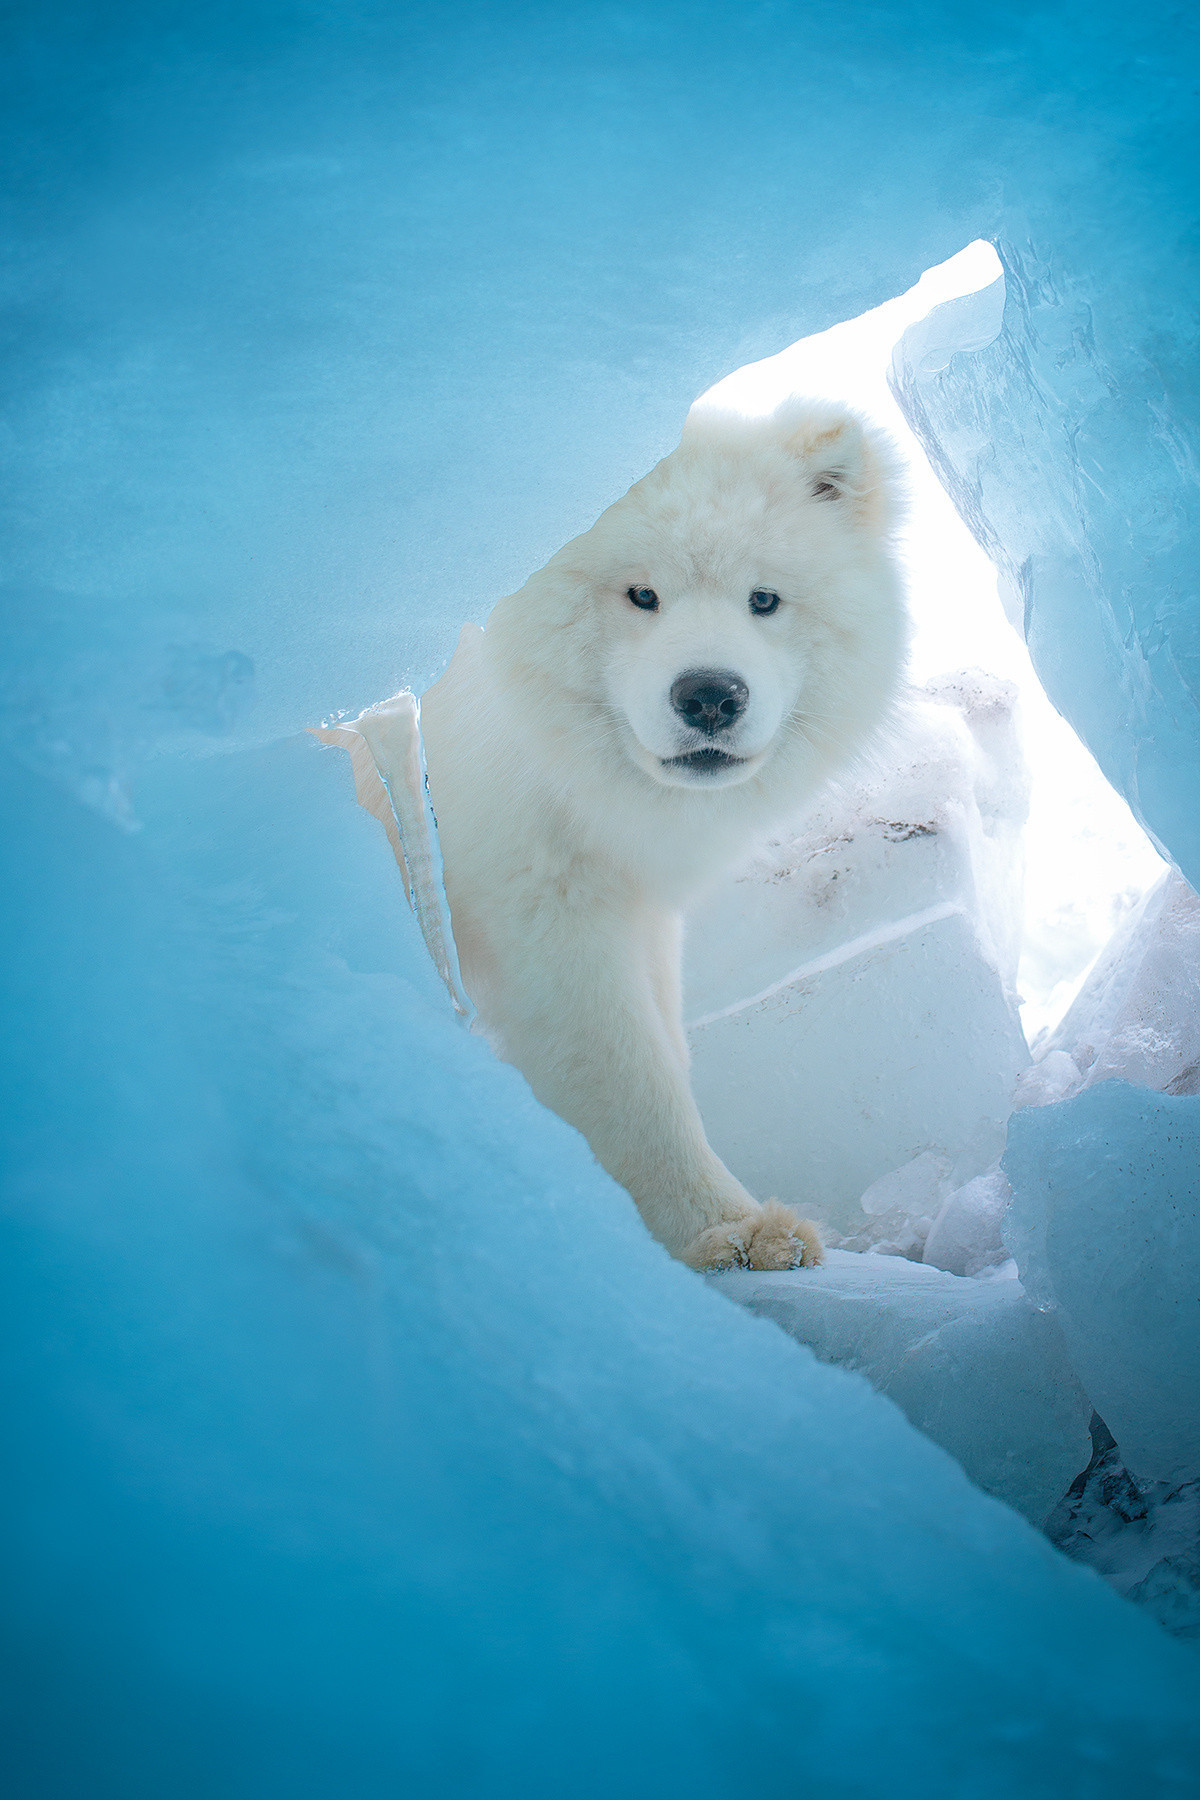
x,y
671,684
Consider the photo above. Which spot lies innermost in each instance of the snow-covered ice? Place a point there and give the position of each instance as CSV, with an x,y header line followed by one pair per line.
x,y
1068,443
1142,1536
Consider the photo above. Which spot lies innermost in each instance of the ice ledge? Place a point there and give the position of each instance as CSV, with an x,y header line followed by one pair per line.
x,y
972,1363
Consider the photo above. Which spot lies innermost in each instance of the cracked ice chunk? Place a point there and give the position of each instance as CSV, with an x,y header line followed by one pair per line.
x,y
851,987
1105,1226
967,1235
1055,1076
1137,1017
973,1364
900,1208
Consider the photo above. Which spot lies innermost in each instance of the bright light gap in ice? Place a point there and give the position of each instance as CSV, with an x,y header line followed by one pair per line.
x,y
1087,860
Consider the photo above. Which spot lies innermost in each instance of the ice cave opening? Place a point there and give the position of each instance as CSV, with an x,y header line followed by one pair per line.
x,y
969,926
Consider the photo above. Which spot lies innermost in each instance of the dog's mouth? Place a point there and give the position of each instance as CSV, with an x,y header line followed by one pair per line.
x,y
704,766
706,761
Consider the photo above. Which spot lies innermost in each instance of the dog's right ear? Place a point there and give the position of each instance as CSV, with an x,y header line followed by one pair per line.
x,y
843,462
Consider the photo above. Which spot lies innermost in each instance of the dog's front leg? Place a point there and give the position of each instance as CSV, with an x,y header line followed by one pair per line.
x,y
608,1055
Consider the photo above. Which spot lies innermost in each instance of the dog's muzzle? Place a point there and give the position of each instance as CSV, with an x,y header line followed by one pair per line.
x,y
709,702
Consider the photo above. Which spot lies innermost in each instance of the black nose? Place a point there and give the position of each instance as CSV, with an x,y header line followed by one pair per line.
x,y
710,700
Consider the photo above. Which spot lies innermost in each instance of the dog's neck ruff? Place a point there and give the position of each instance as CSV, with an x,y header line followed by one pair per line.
x,y
387,755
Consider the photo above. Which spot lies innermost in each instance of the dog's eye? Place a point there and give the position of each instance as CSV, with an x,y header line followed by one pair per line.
x,y
646,598
825,488
763,601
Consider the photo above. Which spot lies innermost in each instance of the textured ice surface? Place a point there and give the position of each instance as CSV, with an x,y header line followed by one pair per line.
x,y
1105,1226
363,1442
973,1364
1068,444
1143,1537
851,989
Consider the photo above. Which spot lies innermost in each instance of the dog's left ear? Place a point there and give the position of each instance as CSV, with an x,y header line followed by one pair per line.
x,y
842,461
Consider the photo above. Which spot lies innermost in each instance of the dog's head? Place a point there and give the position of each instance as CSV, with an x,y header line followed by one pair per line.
x,y
737,609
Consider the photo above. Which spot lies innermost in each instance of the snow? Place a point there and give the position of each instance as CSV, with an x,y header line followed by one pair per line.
x,y
362,1441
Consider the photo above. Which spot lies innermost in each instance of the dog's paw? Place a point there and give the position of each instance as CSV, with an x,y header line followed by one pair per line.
x,y
772,1237
780,1240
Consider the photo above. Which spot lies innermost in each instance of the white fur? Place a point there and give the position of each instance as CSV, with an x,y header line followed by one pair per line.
x,y
570,839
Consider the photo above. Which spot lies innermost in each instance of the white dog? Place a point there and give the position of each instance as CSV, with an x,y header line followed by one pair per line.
x,y
649,703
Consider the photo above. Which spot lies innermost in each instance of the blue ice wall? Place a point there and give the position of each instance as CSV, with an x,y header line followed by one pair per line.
x,y
364,1442
1069,443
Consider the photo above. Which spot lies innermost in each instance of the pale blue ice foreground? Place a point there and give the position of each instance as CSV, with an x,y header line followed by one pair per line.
x,y
361,1442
